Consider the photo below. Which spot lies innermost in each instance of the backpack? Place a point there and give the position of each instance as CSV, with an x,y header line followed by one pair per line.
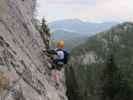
x,y
66,55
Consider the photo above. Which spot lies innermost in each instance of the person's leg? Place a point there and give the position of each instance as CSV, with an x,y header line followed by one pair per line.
x,y
56,76
53,65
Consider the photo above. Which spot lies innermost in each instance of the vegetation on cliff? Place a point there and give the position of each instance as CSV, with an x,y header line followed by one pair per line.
x,y
105,77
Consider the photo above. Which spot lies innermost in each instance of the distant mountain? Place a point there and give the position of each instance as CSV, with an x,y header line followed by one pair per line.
x,y
84,28
75,31
72,39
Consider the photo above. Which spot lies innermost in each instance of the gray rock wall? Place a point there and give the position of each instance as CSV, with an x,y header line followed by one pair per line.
x,y
21,58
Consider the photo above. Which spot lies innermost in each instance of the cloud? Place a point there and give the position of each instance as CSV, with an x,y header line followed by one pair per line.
x,y
90,10
70,2
106,10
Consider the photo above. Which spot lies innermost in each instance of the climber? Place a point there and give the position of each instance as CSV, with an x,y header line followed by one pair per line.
x,y
58,56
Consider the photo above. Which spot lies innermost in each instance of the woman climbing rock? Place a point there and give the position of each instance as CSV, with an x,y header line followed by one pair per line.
x,y
58,58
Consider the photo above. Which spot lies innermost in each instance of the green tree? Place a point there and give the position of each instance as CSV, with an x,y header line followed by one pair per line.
x,y
113,86
45,33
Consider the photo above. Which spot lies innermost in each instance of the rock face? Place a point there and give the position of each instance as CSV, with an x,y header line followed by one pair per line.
x,y
21,58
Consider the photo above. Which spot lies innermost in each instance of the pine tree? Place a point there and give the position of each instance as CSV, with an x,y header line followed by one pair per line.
x,y
114,87
45,33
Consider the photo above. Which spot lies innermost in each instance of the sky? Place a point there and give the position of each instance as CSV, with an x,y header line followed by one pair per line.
x,y
85,10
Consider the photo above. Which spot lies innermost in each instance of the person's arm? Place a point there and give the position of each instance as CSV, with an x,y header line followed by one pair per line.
x,y
50,51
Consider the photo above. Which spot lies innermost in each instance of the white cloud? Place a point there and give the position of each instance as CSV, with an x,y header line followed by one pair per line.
x,y
100,10
70,2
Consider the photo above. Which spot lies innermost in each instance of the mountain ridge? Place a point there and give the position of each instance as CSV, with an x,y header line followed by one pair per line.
x,y
89,61
83,27
72,29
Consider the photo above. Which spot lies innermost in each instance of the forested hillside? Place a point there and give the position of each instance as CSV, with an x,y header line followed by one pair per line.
x,y
103,66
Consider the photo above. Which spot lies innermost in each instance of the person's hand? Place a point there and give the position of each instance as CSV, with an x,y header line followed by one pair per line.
x,y
50,61
44,50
